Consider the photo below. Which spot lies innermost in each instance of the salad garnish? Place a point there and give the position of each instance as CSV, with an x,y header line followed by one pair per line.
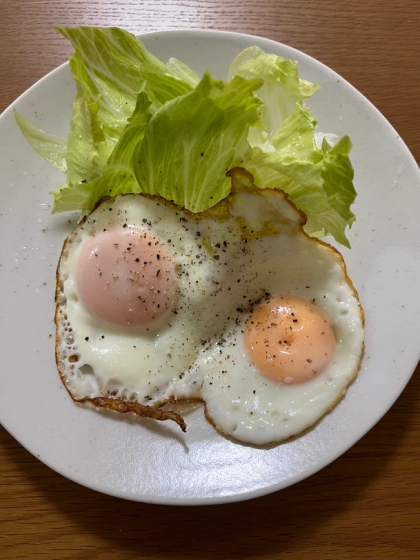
x,y
141,126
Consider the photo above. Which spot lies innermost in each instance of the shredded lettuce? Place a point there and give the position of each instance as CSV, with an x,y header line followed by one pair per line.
x,y
139,125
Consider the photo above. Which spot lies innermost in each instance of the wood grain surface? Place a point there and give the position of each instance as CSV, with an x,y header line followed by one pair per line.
x,y
364,505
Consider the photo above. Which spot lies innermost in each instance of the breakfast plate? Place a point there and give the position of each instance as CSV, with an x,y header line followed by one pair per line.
x,y
150,462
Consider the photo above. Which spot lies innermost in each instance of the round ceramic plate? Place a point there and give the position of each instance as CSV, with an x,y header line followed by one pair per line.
x,y
153,462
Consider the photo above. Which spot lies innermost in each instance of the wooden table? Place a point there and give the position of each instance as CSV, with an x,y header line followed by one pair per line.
x,y
367,503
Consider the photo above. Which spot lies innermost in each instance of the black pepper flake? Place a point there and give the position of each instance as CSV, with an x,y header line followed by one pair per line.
x,y
144,220
157,273
308,360
124,225
158,257
86,338
216,257
137,260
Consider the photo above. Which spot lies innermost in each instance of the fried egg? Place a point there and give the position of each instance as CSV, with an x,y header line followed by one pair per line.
x,y
235,307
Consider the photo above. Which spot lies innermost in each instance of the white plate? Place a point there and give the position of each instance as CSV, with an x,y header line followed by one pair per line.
x,y
150,462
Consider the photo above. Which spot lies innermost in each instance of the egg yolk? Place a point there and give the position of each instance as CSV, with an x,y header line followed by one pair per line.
x,y
125,277
289,340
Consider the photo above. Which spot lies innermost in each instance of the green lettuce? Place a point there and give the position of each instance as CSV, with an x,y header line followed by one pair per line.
x,y
192,141
281,89
52,148
183,71
319,181
117,174
141,126
119,66
110,68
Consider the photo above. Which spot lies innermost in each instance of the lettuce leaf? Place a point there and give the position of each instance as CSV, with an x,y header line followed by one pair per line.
x,y
81,157
284,151
118,177
118,66
318,181
282,86
110,68
84,196
183,71
52,148
192,141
